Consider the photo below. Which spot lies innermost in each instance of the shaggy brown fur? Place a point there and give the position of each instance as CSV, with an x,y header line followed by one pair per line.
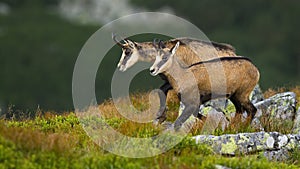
x,y
228,77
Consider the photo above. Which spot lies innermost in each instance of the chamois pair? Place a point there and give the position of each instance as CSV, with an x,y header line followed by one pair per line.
x,y
132,52
192,84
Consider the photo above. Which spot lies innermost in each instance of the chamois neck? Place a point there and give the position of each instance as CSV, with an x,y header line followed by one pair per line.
x,y
179,76
147,54
176,69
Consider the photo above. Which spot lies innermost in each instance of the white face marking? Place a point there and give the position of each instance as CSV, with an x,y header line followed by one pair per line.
x,y
120,65
154,68
132,60
129,57
163,60
162,63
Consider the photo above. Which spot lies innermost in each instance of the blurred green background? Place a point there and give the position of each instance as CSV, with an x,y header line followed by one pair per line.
x,y
39,43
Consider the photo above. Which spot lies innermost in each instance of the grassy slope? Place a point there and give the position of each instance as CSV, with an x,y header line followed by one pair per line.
x,y
58,141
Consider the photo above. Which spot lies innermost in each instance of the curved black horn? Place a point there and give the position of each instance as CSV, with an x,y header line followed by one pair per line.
x,y
114,37
156,42
161,44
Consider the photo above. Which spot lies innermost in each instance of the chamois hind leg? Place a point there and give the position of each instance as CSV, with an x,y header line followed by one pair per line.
x,y
161,114
250,108
246,103
235,121
237,104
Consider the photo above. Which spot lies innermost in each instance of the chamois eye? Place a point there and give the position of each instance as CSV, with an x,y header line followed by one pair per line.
x,y
165,57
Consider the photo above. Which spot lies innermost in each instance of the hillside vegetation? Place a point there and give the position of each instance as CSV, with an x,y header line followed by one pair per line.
x,y
48,140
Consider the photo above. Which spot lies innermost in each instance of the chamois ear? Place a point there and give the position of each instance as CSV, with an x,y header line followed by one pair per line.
x,y
130,43
161,44
173,50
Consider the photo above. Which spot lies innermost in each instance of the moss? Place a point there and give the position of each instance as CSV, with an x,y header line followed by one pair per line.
x,y
230,147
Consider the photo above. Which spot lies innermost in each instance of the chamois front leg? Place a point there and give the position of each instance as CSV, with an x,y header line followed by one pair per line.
x,y
161,114
190,109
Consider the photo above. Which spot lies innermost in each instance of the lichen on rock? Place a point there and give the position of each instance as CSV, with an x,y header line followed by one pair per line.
x,y
248,143
280,110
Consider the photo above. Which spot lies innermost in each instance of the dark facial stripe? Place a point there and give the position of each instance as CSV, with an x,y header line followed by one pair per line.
x,y
164,59
161,63
128,54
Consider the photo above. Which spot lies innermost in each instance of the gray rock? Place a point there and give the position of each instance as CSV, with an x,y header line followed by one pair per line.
x,y
214,119
218,104
256,95
296,127
277,155
274,145
279,108
248,143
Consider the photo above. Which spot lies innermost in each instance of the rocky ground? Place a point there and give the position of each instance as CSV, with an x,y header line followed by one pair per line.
x,y
275,143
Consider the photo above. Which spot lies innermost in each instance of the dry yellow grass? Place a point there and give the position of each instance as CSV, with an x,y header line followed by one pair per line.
x,y
22,137
139,115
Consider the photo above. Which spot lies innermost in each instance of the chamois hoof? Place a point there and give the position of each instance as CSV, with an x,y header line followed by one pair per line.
x,y
159,121
156,122
168,126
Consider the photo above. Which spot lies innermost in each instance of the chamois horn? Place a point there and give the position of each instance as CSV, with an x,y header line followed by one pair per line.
x,y
158,43
114,37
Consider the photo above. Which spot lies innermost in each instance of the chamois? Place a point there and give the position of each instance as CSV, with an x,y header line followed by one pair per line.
x,y
240,74
132,52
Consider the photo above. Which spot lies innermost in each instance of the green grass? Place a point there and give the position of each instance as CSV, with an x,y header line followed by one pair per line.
x,y
50,140
31,146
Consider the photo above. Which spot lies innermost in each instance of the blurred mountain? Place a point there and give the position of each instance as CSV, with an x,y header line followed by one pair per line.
x,y
39,46
100,11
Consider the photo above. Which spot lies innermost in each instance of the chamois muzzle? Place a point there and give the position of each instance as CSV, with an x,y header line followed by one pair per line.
x,y
122,68
153,71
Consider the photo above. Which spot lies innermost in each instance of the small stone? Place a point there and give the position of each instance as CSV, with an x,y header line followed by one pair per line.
x,y
221,167
283,140
270,142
